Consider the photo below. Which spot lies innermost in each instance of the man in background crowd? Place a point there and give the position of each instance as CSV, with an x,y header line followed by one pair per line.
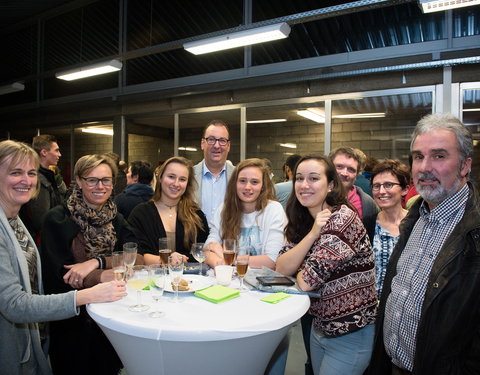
x,y
283,189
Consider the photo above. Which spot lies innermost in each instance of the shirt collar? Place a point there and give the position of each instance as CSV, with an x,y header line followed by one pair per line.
x,y
205,169
446,208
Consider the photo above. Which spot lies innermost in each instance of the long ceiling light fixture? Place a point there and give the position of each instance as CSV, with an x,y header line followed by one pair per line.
x,y
312,114
362,115
102,131
273,120
239,39
12,87
90,70
430,6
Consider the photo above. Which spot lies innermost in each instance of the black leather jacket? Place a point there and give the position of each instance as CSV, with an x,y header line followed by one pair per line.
x,y
448,336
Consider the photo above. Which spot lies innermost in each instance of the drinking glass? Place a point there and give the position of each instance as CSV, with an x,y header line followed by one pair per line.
x,y
138,280
175,269
164,250
229,249
157,286
129,255
118,265
241,262
199,254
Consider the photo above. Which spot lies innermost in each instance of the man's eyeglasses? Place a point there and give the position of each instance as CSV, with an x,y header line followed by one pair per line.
x,y
212,140
93,181
386,186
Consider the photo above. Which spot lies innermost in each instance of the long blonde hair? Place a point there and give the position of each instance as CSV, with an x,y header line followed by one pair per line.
x,y
232,209
187,207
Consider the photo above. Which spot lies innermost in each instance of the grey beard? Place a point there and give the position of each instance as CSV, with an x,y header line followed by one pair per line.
x,y
438,193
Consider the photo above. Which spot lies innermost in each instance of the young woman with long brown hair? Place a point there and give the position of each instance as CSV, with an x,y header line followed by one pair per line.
x,y
250,214
171,213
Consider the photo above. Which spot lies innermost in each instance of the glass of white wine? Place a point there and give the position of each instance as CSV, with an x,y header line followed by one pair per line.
x,y
157,286
175,269
199,254
129,255
138,279
118,265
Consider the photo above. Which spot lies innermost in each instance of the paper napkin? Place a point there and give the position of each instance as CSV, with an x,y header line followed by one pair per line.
x,y
276,297
217,293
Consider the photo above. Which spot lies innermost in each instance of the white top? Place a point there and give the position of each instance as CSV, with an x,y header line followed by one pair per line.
x,y
262,230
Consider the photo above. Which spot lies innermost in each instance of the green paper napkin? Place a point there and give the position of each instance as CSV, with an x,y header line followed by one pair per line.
x,y
276,297
217,293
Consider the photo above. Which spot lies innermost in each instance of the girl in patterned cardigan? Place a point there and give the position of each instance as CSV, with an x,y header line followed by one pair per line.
x,y
329,250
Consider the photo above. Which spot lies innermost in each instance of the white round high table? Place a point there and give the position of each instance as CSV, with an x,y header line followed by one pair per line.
x,y
196,336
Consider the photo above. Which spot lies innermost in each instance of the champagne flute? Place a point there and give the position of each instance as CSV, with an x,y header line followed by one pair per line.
x,y
157,286
199,254
129,255
241,262
118,265
229,249
164,250
175,269
138,280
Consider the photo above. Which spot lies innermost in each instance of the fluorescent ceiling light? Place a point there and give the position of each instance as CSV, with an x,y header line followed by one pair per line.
x,y
12,87
266,121
471,110
90,70
429,6
239,39
313,114
103,131
361,115
192,149
288,145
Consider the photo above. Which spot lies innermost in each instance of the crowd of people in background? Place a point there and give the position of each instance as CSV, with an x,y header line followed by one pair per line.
x,y
388,252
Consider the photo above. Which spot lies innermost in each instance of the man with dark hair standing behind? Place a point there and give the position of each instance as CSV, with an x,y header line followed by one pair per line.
x,y
214,171
49,196
138,190
428,315
283,189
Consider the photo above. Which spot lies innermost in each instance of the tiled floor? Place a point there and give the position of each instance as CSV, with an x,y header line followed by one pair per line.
x,y
296,353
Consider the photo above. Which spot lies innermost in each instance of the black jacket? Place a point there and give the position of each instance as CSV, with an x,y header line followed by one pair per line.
x,y
448,336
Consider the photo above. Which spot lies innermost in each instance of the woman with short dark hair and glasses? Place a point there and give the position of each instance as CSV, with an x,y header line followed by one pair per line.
x,y
77,240
390,180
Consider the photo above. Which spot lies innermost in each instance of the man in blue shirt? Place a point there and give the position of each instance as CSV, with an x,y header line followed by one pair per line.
x,y
283,189
214,171
428,315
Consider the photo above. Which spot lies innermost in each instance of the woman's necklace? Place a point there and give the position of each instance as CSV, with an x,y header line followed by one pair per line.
x,y
171,209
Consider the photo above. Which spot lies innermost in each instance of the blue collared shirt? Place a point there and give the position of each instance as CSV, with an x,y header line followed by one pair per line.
x,y
404,304
213,190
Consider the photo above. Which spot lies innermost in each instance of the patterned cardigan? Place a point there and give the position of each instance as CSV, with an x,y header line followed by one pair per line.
x,y
340,267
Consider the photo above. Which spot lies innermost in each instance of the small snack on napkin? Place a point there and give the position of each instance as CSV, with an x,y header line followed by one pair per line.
x,y
217,293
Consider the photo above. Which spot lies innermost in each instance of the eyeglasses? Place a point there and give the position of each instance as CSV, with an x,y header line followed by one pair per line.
x,y
93,181
212,140
386,186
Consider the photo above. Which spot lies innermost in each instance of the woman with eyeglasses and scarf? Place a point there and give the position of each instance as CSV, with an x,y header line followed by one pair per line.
x,y
77,239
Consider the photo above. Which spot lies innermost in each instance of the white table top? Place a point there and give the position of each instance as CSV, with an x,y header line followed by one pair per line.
x,y
195,319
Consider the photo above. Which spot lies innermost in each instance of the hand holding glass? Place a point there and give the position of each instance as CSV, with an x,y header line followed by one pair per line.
x,y
175,269
118,265
138,280
157,286
164,250
199,254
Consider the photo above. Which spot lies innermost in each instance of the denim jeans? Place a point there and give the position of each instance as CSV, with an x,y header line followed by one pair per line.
x,y
348,354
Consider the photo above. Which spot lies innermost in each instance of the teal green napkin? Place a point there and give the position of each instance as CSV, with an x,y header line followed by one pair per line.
x,y
275,297
217,293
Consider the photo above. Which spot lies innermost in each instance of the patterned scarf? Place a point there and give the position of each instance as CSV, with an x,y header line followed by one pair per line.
x,y
29,252
95,225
